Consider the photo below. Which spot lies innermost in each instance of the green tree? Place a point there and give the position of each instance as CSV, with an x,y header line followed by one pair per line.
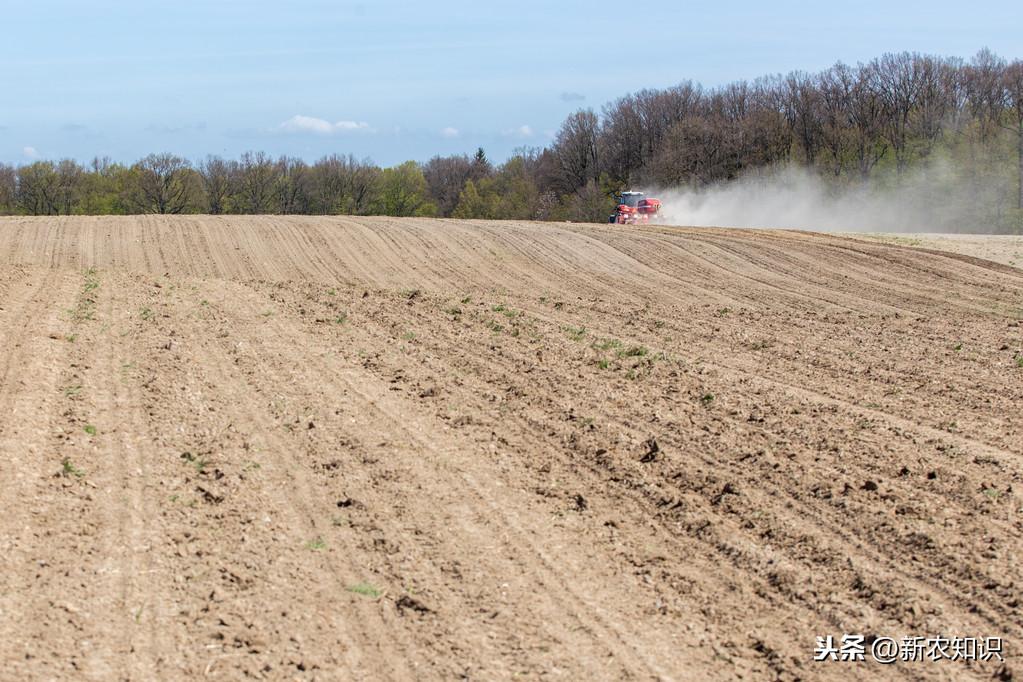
x,y
8,188
472,204
402,191
38,188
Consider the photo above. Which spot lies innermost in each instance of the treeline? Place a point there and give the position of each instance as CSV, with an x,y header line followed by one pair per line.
x,y
870,124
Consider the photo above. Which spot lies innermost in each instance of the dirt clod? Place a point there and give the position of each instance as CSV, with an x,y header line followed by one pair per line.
x,y
650,450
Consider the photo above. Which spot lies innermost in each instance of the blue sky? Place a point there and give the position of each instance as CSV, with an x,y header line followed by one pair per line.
x,y
394,80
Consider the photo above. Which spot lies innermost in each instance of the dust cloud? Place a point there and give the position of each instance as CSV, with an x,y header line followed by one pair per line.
x,y
920,201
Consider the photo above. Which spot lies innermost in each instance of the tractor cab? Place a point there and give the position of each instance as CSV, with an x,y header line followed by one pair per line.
x,y
630,199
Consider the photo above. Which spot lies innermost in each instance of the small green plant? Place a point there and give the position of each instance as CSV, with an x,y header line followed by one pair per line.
x,y
707,399
494,326
146,314
603,364
341,318
498,308
90,429
958,347
91,280
408,336
365,589
635,352
992,493
608,344
465,300
454,310
70,338
71,391
69,469
316,544
200,463
1019,360
576,334
331,292
723,311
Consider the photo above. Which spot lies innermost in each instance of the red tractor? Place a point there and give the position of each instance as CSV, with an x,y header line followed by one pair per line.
x,y
634,208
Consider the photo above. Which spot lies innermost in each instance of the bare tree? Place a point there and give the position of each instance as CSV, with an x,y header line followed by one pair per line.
x,y
70,181
446,177
801,103
164,184
866,115
257,176
836,90
634,126
331,184
575,148
898,80
1013,85
985,91
660,110
342,185
365,180
294,186
935,94
218,179
697,151
622,139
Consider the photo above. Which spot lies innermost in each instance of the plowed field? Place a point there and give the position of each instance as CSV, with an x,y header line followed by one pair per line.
x,y
362,449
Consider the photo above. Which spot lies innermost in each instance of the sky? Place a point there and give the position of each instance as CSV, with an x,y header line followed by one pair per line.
x,y
393,80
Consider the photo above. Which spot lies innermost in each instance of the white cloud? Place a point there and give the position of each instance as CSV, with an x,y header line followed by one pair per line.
x,y
30,153
309,124
450,132
522,131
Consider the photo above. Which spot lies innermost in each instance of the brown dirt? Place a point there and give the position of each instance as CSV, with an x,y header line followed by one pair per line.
x,y
1005,249
416,449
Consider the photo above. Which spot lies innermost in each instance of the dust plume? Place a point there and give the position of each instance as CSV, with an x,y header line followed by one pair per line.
x,y
924,200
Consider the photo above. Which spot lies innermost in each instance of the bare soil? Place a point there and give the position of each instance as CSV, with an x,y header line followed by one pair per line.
x,y
311,448
1002,248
